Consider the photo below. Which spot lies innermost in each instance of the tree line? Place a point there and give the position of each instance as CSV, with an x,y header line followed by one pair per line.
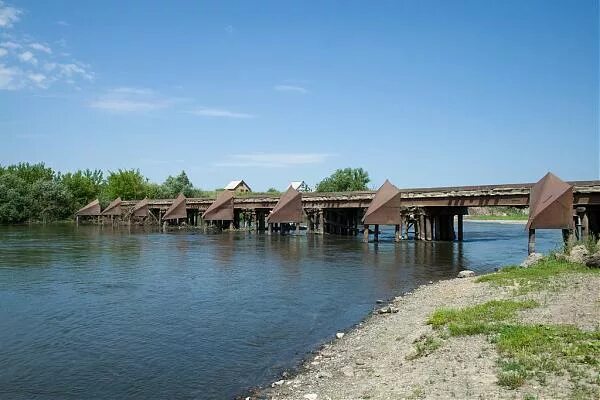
x,y
37,193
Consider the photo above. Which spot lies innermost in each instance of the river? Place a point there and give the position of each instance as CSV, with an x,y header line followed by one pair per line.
x,y
104,313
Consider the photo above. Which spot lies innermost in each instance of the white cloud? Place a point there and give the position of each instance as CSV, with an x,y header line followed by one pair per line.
x,y
273,159
10,45
62,23
8,15
41,47
9,78
291,88
42,67
130,100
28,57
219,113
37,78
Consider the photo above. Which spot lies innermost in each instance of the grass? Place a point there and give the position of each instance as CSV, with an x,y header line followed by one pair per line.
x,y
424,346
503,217
541,275
527,350
479,319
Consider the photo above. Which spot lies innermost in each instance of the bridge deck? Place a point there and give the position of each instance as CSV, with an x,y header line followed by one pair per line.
x,y
584,192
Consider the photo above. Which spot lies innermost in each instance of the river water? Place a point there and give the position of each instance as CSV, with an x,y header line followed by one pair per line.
x,y
94,312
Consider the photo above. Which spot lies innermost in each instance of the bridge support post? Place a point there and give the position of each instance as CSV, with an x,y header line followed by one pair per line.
x,y
270,229
376,235
531,244
398,233
366,234
460,227
428,230
567,235
321,222
436,227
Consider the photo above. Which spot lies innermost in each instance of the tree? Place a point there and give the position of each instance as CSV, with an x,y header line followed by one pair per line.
x,y
345,180
49,201
84,186
30,172
178,184
127,184
13,198
273,191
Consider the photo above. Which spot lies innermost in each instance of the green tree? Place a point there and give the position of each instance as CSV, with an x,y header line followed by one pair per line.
x,y
345,180
174,185
13,198
127,184
30,172
84,186
273,191
49,201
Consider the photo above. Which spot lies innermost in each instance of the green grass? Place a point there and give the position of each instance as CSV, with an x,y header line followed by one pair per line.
x,y
527,350
482,318
509,217
424,346
537,277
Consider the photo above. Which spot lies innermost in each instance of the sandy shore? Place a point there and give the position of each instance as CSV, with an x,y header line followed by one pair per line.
x,y
376,359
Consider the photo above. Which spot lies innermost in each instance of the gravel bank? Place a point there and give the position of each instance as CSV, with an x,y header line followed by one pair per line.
x,y
374,360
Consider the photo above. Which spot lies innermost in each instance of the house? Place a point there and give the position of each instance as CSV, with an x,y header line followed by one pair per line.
x,y
238,186
300,186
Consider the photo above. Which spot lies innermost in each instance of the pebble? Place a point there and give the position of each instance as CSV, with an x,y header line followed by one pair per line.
x,y
466,273
325,374
348,371
278,383
311,396
388,310
339,335
379,301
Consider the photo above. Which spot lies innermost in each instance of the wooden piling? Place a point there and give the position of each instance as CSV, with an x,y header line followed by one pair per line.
x,y
321,221
397,235
428,230
460,227
366,234
376,235
531,244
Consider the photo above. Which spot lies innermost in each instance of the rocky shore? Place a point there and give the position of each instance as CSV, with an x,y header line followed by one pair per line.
x,y
397,354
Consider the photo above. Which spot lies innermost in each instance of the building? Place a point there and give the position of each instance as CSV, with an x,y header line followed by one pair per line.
x,y
300,186
238,186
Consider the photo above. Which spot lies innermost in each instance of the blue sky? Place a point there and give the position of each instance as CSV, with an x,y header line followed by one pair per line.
x,y
425,93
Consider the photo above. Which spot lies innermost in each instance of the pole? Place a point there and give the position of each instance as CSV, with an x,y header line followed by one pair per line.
x,y
531,245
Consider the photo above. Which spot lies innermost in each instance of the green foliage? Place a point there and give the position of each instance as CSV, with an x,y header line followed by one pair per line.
x,y
14,195
273,191
345,180
84,186
174,185
33,192
126,184
29,173
538,276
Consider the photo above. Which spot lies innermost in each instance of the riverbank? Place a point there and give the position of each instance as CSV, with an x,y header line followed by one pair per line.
x,y
520,333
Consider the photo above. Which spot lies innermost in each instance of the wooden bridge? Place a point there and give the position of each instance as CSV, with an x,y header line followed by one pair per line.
x,y
431,213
